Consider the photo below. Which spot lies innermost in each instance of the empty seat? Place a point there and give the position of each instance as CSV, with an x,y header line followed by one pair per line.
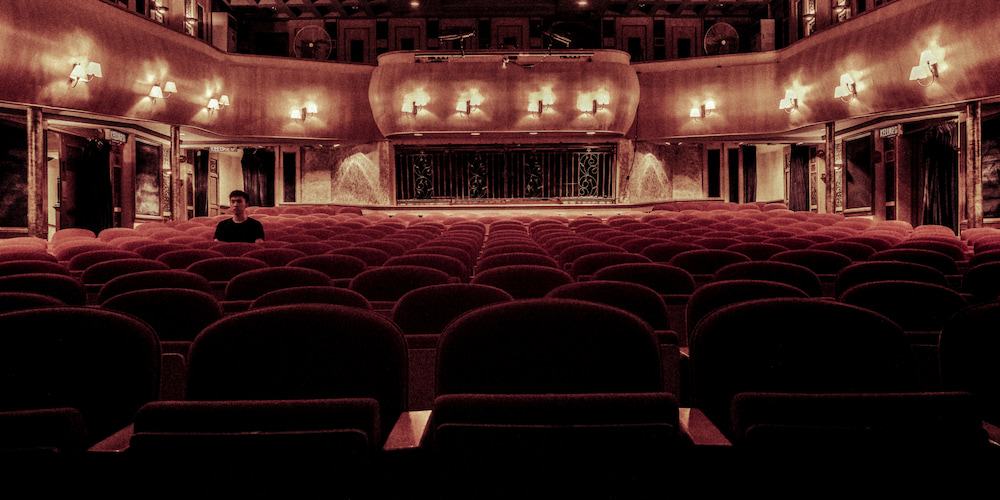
x,y
104,364
981,283
18,301
67,289
250,285
181,259
967,349
796,275
702,264
795,345
855,251
154,250
142,280
372,257
327,383
757,250
100,273
585,266
275,257
882,270
454,267
523,281
10,267
713,296
893,444
388,284
666,250
311,295
82,261
937,260
551,396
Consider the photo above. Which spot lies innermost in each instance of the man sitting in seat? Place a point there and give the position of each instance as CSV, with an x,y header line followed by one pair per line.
x,y
240,227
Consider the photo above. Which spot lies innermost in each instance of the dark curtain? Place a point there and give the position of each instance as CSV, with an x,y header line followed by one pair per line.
x,y
200,163
749,173
13,175
798,179
93,191
938,172
258,176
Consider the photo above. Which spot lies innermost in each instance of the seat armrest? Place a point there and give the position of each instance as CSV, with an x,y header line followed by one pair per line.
x,y
700,429
115,443
409,431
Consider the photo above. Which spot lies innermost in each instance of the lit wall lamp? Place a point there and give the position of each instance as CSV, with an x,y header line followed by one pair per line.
x,y
847,89
790,103
168,89
703,110
158,7
305,113
540,101
841,6
927,71
469,101
415,100
217,104
85,72
591,103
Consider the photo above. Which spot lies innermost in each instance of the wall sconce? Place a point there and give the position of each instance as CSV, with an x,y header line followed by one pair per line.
x,y
790,103
704,110
591,103
926,71
847,89
168,89
85,72
841,6
540,101
305,113
217,104
469,101
415,100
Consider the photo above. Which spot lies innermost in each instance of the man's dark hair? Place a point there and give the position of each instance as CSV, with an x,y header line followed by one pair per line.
x,y
240,194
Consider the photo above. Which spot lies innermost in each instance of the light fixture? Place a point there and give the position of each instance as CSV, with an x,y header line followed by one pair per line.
x,y
703,110
592,102
217,104
841,6
540,101
469,101
305,113
847,89
85,72
414,101
157,92
790,103
223,101
926,72
158,7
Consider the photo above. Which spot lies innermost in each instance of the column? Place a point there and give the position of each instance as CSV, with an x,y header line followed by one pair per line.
x,y
178,200
829,170
38,179
974,165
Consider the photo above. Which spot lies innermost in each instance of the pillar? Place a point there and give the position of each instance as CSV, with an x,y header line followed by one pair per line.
x,y
829,170
974,165
38,178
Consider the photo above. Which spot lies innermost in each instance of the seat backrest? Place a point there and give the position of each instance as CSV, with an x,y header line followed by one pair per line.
x,y
556,346
706,261
221,269
454,267
301,351
717,294
427,310
103,363
664,278
586,265
882,270
666,250
250,285
637,299
18,301
67,289
102,272
176,314
275,257
10,267
372,257
982,282
937,260
311,295
523,281
82,261
914,306
967,353
514,258
181,259
169,278
390,283
821,262
778,345
796,275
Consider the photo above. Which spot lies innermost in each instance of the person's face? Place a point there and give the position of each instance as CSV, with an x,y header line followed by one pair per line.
x,y
239,204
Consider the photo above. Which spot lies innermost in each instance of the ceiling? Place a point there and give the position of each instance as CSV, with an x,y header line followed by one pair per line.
x,y
564,9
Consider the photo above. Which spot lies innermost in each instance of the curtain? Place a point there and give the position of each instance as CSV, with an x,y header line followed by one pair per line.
x,y
749,173
798,181
939,175
258,176
94,201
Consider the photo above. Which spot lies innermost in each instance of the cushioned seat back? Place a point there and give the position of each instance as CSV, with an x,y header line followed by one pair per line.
x,y
103,363
250,285
795,345
302,351
547,346
176,314
427,310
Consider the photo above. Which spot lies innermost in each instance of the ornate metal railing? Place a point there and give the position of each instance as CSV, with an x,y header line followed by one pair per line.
x,y
498,173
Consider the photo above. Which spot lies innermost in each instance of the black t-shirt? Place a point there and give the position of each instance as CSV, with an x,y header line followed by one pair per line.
x,y
248,230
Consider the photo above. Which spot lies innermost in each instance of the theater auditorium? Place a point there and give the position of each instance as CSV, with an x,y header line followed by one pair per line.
x,y
608,249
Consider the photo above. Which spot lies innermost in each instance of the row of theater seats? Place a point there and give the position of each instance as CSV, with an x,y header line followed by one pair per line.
x,y
487,396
